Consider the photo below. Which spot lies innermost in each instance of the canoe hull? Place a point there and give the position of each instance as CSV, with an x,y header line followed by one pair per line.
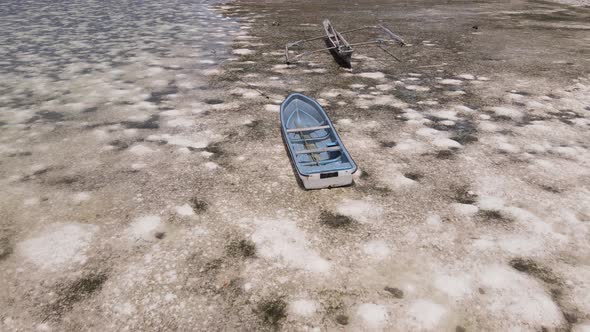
x,y
343,59
316,152
339,48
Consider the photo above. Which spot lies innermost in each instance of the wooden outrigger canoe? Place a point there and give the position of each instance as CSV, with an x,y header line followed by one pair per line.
x,y
339,48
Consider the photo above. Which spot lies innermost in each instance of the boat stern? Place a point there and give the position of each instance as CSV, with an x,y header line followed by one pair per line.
x,y
327,180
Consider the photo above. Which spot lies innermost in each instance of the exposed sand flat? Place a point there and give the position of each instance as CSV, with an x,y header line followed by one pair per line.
x,y
145,185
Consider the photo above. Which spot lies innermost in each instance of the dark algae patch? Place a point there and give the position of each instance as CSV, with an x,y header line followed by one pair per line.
x,y
342,319
396,292
212,265
492,216
213,101
90,110
534,269
20,154
335,220
465,196
241,248
151,123
388,144
271,311
464,132
414,176
119,144
75,292
198,205
445,154
5,248
157,97
47,116
364,174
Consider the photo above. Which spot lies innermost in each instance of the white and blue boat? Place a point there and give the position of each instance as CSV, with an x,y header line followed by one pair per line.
x,y
316,151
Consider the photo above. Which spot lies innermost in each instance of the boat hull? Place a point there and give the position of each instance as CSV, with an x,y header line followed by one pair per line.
x,y
315,182
316,152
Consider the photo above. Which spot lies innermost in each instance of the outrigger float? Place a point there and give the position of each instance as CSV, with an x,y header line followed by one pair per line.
x,y
316,151
340,49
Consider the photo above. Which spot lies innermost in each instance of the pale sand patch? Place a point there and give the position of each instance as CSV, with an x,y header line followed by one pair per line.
x,y
386,100
427,132
245,93
344,122
59,245
31,201
140,150
303,307
145,228
138,166
445,114
446,143
450,81
80,197
373,316
466,76
211,165
385,87
464,209
181,122
394,179
488,126
362,210
243,51
463,109
434,221
417,88
282,242
377,249
454,286
532,306
201,140
272,108
185,210
506,111
211,72
374,75
425,314
410,146
582,327
455,93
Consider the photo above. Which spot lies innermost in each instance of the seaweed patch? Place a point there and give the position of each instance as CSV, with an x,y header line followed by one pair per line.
x,y
151,123
335,220
272,310
534,269
75,292
241,248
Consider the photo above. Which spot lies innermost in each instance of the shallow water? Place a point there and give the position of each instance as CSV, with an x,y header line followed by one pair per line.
x,y
49,47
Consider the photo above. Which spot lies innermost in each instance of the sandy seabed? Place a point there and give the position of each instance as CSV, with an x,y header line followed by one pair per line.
x,y
144,184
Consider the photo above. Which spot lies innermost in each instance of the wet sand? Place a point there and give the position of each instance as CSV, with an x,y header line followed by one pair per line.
x,y
145,185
